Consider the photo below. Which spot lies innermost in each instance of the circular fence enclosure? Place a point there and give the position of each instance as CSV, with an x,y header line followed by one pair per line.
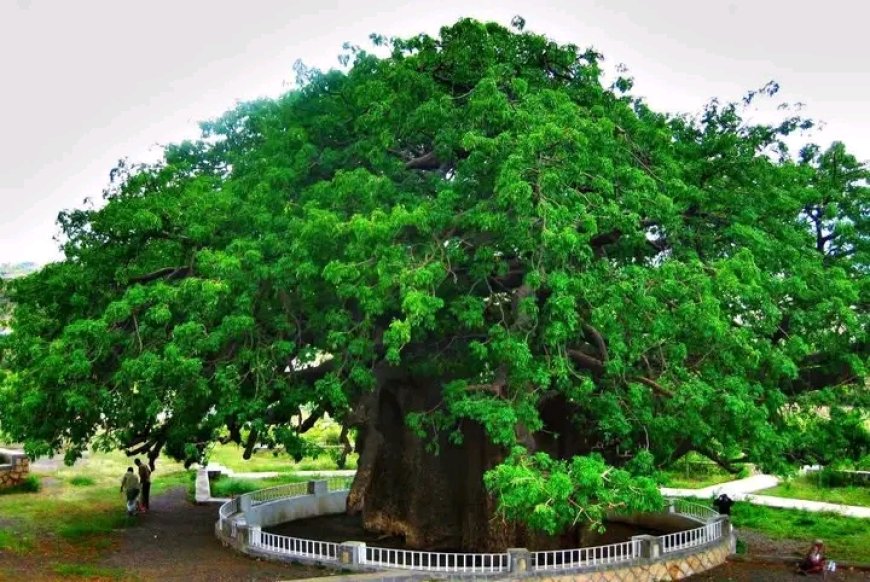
x,y
706,543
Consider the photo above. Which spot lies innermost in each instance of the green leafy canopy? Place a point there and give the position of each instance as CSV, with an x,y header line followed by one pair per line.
x,y
574,267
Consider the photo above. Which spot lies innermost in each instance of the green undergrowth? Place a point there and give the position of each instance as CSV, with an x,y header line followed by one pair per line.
x,y
692,471
232,486
230,456
812,488
81,481
846,538
90,572
11,541
30,484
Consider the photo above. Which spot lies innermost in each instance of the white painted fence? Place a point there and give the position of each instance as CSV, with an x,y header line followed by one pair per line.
x,y
695,510
329,553
693,538
436,561
276,493
230,507
586,557
289,546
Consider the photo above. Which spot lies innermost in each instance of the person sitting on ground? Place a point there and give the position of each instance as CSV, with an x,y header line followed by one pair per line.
x,y
130,485
145,480
814,562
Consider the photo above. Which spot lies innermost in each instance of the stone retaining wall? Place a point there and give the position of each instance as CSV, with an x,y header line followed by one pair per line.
x,y
671,567
14,468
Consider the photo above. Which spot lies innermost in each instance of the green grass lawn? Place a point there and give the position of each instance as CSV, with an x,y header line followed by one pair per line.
x,y
78,504
693,471
846,538
809,487
230,456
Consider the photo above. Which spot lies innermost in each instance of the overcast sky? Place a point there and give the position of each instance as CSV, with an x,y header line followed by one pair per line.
x,y
85,83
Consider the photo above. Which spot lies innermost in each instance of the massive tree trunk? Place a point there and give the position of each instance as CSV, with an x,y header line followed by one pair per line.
x,y
436,501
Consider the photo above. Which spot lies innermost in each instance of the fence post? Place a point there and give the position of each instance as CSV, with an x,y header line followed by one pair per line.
x,y
318,488
671,506
649,546
254,536
244,504
729,533
351,554
520,560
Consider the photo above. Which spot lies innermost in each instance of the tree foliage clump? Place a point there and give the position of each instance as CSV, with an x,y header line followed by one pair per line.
x,y
480,209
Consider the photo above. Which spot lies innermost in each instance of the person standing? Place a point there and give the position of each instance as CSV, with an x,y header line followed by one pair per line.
x,y
130,486
145,479
723,504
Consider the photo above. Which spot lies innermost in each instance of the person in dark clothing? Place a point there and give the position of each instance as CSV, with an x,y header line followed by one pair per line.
x,y
145,481
723,504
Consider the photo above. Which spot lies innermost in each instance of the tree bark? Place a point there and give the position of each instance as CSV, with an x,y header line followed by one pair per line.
x,y
438,501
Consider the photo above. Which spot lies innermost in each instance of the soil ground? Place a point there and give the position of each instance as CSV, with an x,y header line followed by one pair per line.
x,y
176,541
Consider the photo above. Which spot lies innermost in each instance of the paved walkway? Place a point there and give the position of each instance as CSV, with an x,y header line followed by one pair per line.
x,y
732,488
743,489
771,501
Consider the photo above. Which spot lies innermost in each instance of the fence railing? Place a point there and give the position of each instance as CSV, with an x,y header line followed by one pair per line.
x,y
692,509
586,557
692,538
436,561
290,546
471,563
230,507
339,483
279,492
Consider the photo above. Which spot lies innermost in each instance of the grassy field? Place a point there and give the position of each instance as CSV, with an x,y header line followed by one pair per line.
x,y
810,488
231,486
76,505
693,471
71,522
846,538
230,456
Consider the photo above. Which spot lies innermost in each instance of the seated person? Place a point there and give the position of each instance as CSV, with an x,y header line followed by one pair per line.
x,y
814,562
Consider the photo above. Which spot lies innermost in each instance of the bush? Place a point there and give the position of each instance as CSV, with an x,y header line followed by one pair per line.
x,y
30,484
81,481
231,486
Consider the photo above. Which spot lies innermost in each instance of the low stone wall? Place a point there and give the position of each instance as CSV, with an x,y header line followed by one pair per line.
x,y
670,567
14,468
319,501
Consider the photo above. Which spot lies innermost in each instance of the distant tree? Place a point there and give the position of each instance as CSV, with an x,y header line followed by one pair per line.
x,y
528,292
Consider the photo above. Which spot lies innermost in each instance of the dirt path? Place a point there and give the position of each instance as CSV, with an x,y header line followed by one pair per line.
x,y
176,541
758,572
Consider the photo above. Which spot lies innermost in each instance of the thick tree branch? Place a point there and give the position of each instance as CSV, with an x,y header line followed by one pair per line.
x,y
719,460
249,446
169,273
598,340
587,362
428,161
657,388
143,448
309,422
